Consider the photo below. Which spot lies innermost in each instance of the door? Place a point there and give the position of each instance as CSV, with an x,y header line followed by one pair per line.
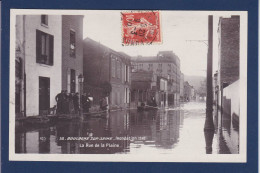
x,y
17,99
44,94
72,81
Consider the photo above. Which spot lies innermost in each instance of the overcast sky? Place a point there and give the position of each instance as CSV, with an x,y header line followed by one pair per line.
x,y
177,28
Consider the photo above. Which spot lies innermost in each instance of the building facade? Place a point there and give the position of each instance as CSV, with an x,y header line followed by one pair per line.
x,y
188,92
104,66
181,87
228,70
72,51
228,31
37,63
166,65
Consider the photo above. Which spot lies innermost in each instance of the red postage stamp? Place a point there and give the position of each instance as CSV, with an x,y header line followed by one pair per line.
x,y
142,27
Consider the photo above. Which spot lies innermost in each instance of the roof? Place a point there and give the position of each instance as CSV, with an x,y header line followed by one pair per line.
x,y
124,57
162,56
145,58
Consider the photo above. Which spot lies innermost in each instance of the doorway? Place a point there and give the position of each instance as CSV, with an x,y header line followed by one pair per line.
x,y
72,81
44,95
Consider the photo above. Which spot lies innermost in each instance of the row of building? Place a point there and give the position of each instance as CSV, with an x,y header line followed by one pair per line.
x,y
48,59
51,54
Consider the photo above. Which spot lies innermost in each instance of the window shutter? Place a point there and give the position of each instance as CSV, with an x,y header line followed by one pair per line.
x,y
38,46
46,19
51,41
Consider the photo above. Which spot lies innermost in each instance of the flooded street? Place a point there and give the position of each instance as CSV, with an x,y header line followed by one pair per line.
x,y
179,130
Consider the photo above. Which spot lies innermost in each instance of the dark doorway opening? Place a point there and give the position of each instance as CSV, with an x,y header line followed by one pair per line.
x,y
17,99
44,95
72,81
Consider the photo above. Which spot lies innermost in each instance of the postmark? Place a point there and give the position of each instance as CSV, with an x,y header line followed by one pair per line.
x,y
140,28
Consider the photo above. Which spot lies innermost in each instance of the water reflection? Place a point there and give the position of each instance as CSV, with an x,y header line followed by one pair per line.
x,y
227,133
209,134
171,131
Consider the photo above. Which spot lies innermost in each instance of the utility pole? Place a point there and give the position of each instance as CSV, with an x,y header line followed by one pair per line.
x,y
209,102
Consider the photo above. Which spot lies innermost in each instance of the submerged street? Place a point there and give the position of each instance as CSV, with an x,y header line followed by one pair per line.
x,y
179,130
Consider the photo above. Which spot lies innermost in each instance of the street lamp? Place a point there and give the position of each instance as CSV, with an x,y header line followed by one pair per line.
x,y
81,80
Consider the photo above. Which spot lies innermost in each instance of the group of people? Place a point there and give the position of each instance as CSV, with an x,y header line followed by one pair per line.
x,y
68,103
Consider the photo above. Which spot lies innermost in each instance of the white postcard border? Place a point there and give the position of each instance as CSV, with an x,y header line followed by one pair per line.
x,y
149,157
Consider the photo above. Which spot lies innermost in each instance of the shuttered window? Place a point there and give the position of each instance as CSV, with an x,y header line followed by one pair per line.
x,y
113,67
118,69
18,68
44,48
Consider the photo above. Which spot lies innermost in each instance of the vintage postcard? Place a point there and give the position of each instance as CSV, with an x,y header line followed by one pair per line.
x,y
128,86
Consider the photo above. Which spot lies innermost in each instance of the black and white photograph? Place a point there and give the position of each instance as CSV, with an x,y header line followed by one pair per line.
x,y
131,86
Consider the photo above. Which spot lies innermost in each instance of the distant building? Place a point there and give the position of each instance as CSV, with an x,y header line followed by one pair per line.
x,y
228,70
72,51
104,66
38,62
202,89
181,87
166,65
193,93
143,87
187,92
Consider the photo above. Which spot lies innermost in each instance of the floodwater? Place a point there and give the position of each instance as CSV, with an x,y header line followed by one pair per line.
x,y
176,130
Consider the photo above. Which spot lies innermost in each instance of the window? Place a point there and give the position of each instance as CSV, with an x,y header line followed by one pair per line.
x,y
150,67
72,43
44,48
126,95
113,67
118,69
140,66
169,68
159,67
18,68
126,73
44,19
